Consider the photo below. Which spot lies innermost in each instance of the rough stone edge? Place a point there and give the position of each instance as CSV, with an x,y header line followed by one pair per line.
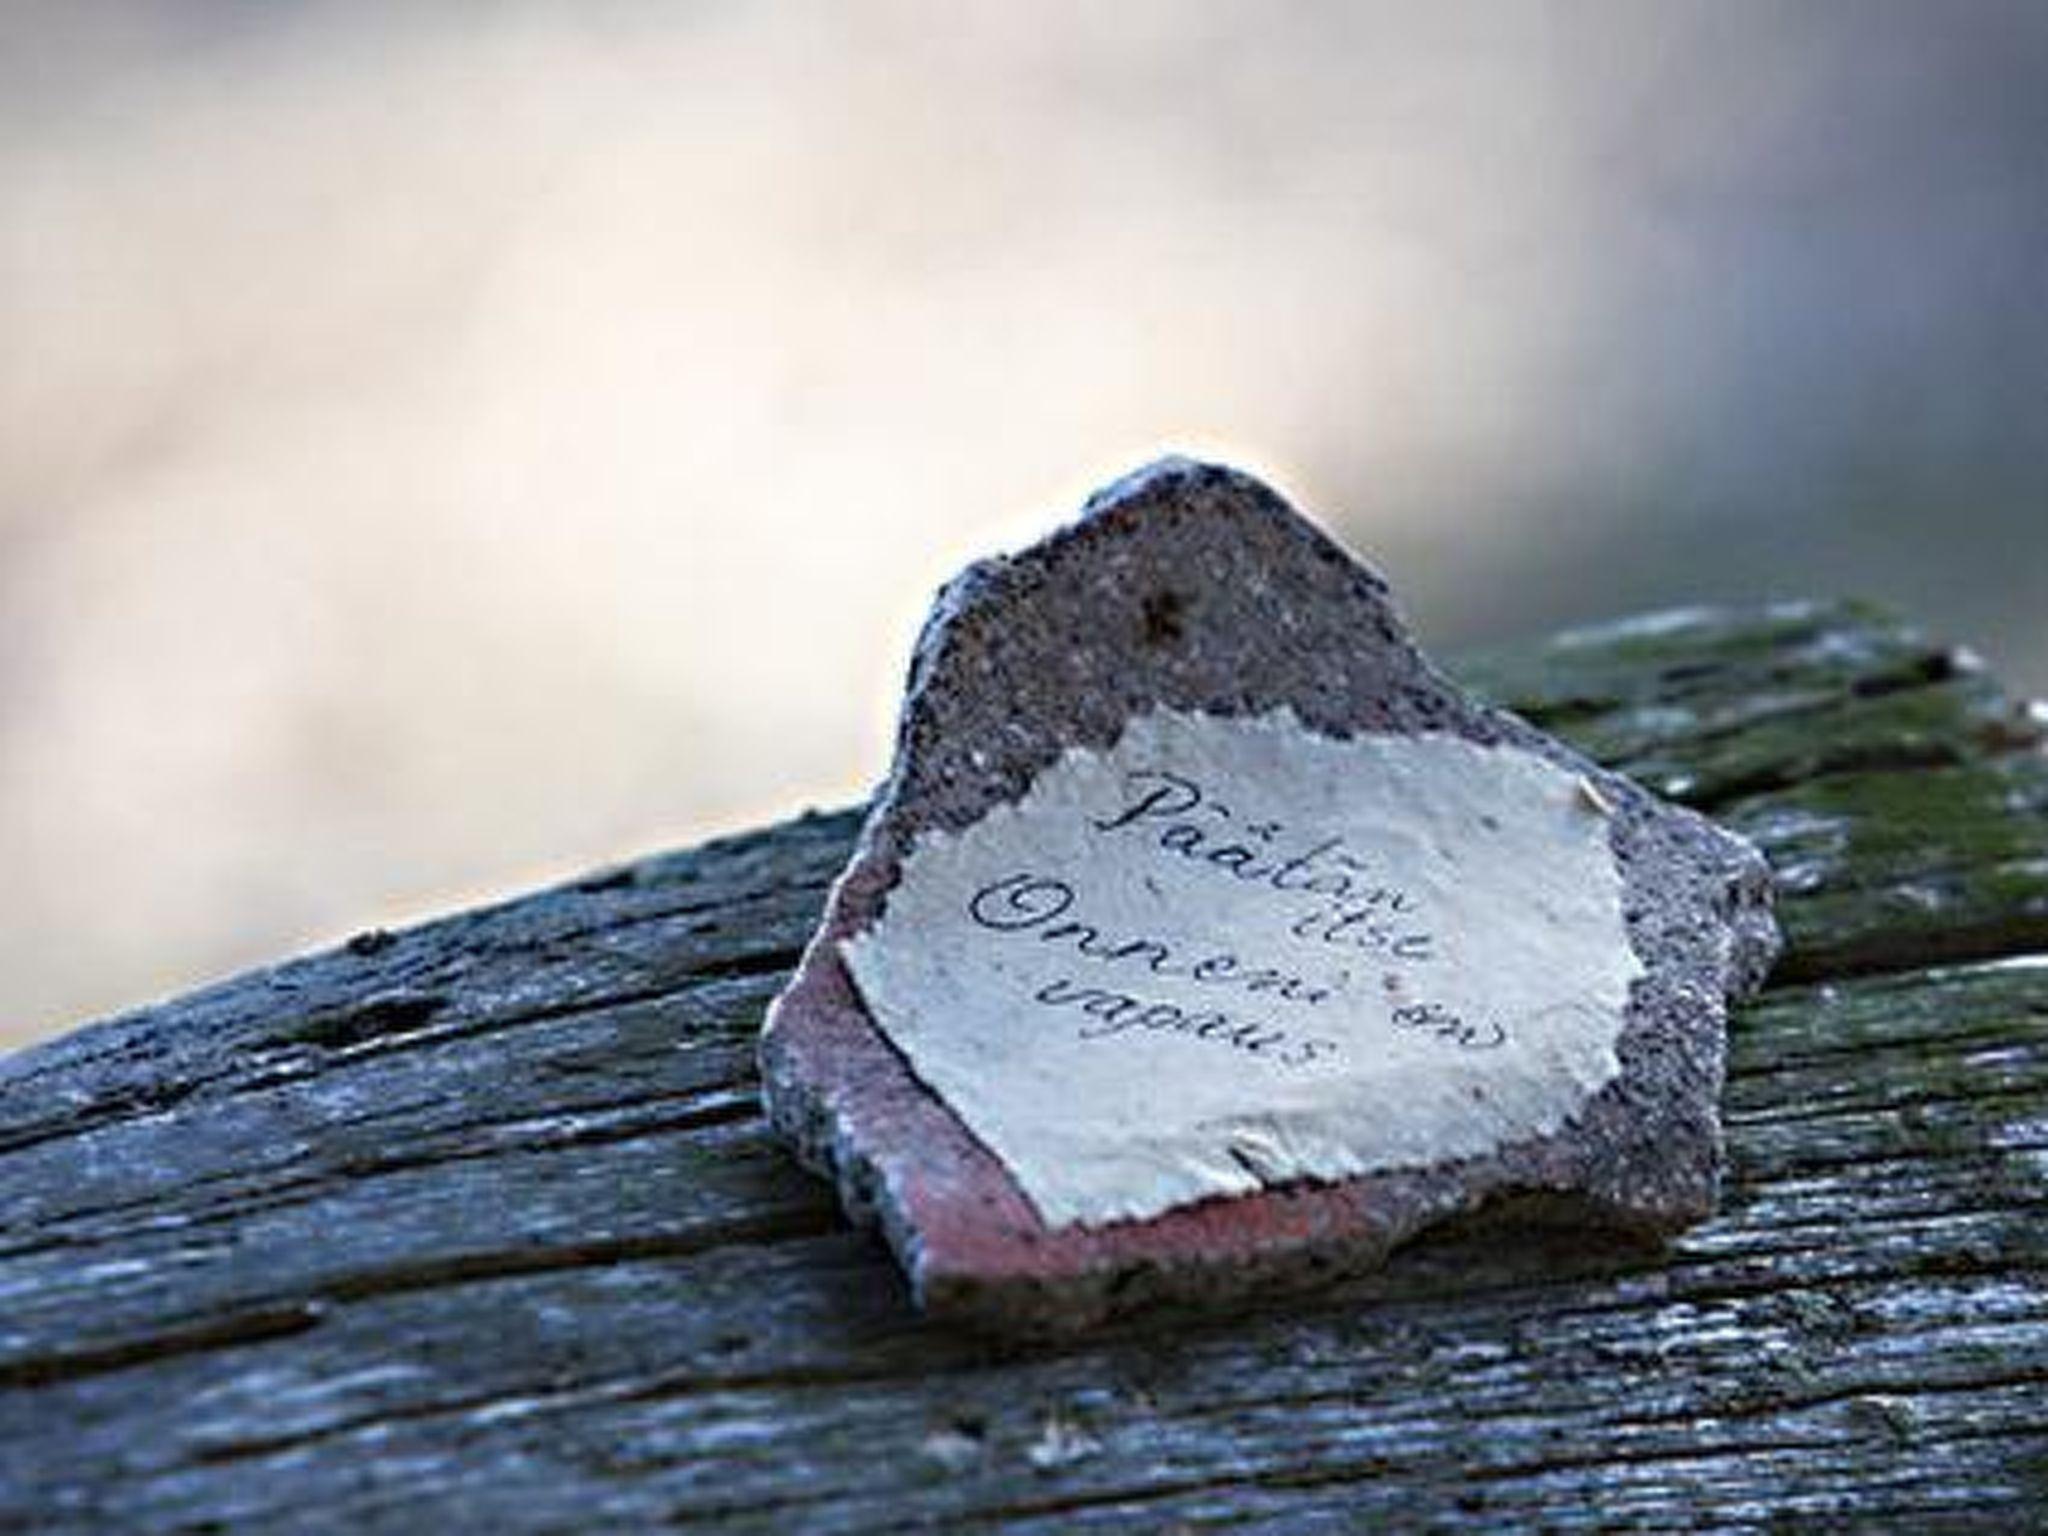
x,y
1292,1235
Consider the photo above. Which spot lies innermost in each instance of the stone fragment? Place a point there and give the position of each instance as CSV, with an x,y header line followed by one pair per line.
x,y
1205,939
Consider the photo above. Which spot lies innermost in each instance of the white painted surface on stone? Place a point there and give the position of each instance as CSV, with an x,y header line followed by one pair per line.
x,y
1231,953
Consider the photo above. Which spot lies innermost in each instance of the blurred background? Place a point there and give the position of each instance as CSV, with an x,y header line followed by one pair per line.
x,y
445,447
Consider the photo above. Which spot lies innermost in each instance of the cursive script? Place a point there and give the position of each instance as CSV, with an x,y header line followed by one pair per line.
x,y
1350,905
1231,938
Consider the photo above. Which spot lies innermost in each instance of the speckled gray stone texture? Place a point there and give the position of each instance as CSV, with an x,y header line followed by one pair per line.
x,y
1194,586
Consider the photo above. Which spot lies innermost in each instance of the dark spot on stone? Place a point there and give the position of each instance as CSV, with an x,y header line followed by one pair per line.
x,y
370,941
1164,612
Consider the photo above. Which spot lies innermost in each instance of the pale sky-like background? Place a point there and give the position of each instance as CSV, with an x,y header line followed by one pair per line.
x,y
444,447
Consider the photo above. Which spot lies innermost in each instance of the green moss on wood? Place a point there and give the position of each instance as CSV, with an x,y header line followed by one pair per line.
x,y
1884,869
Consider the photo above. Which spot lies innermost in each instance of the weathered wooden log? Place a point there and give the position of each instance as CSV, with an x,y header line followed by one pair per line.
x,y
477,1225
